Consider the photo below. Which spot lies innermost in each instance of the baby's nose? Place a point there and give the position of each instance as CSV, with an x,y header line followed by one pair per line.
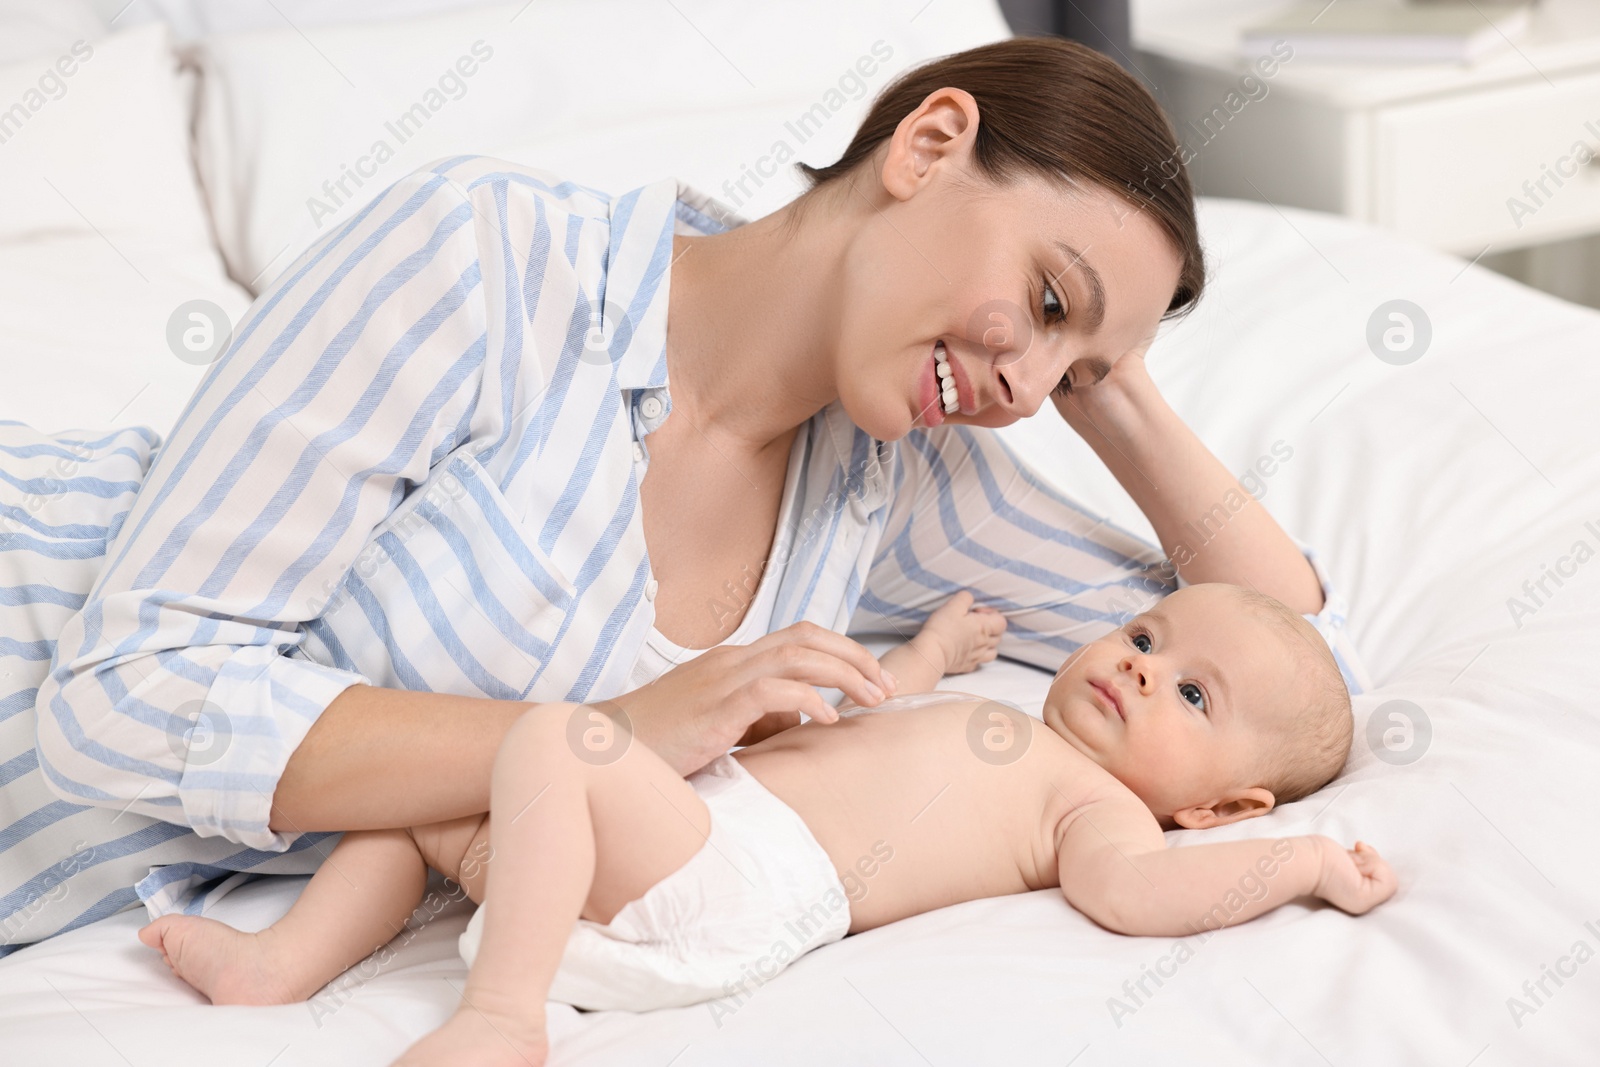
x,y
1140,677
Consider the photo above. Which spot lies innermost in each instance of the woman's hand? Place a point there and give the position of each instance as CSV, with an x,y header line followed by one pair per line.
x,y
738,694
1097,410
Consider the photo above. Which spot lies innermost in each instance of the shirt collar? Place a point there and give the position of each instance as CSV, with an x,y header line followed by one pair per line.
x,y
634,303
643,222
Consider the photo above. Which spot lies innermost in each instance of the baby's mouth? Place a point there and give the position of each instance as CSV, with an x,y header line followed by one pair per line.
x,y
1110,699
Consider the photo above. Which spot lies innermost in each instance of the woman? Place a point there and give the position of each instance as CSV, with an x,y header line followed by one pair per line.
x,y
502,438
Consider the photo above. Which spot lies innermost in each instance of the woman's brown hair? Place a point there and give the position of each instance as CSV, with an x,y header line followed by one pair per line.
x,y
1059,109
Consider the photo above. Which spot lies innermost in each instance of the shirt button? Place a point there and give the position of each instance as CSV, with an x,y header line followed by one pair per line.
x,y
638,451
650,588
650,406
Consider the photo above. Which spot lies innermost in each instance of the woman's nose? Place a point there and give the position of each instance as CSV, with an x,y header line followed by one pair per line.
x,y
1023,379
1016,393
1020,361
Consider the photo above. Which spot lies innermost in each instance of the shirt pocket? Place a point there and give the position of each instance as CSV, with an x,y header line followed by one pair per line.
x,y
449,595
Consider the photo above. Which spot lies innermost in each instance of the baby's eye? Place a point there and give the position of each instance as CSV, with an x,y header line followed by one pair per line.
x,y
1193,694
1145,648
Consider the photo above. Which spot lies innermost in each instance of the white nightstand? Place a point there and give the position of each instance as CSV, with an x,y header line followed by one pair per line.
x,y
1438,152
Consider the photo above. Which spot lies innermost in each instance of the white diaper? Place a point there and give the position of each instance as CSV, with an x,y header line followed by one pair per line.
x,y
758,894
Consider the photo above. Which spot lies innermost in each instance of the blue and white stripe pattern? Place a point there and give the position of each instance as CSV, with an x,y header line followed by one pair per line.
x,y
417,466
64,863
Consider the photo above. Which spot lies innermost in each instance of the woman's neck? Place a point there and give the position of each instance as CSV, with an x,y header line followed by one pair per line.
x,y
751,328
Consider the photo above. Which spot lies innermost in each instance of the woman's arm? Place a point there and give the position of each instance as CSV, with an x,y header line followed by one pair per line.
x,y
380,758
1185,491
968,512
178,692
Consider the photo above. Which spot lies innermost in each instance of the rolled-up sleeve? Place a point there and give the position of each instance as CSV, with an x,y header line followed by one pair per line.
x,y
1330,623
181,689
967,512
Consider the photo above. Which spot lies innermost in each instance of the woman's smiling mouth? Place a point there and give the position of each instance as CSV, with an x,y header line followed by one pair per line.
x,y
943,388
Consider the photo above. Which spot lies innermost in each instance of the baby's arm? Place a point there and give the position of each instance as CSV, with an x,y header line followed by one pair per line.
x,y
957,638
1116,868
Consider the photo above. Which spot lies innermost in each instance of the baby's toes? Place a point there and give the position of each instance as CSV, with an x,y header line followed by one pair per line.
x,y
156,933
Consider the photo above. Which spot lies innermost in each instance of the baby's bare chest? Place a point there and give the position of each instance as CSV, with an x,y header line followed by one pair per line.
x,y
926,808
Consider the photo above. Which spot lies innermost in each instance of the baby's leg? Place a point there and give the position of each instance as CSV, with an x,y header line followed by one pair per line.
x,y
357,901
571,836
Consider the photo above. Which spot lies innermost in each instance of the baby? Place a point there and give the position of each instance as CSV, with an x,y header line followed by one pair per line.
x,y
617,884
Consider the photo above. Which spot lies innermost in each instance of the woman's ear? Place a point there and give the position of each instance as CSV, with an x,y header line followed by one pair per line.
x,y
1231,807
941,130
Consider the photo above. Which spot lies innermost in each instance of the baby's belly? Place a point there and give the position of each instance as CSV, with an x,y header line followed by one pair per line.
x,y
929,827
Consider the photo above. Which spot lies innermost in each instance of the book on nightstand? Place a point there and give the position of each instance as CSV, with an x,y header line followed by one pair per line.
x,y
1379,31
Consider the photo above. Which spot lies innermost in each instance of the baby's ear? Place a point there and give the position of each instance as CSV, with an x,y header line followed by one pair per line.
x,y
1231,807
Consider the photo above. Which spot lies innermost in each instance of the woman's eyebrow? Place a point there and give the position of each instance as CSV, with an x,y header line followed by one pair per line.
x,y
1095,314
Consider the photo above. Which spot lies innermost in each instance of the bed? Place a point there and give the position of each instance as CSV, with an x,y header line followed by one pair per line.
x,y
1454,492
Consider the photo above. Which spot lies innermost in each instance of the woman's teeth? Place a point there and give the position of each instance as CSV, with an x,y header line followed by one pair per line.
x,y
947,382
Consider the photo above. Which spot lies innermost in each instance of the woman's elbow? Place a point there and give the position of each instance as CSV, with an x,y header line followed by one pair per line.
x,y
72,714
52,709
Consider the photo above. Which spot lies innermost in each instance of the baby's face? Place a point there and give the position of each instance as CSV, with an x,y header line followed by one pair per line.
x,y
1198,677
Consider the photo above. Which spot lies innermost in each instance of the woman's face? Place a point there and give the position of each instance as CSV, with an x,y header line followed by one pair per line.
x,y
1020,284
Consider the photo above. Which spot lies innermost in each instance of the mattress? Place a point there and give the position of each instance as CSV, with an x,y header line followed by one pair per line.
x,y
1454,493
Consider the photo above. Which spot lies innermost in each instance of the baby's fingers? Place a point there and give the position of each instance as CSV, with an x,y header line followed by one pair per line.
x,y
1365,857
1379,877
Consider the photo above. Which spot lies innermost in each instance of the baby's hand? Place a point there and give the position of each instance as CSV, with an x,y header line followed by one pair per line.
x,y
967,635
1354,880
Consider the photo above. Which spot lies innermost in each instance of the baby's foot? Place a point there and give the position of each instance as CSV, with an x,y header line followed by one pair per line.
x,y
967,634
483,1038
227,965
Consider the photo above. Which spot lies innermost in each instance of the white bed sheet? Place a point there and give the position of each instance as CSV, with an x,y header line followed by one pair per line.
x,y
1434,490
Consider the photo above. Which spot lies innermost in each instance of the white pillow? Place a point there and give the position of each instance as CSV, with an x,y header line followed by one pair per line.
x,y
85,339
31,28
96,141
103,236
291,139
199,18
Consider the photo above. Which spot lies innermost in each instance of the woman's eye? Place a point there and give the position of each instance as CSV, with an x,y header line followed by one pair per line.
x,y
1054,312
1193,694
1051,306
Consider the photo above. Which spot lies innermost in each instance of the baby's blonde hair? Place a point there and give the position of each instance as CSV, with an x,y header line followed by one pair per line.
x,y
1313,741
